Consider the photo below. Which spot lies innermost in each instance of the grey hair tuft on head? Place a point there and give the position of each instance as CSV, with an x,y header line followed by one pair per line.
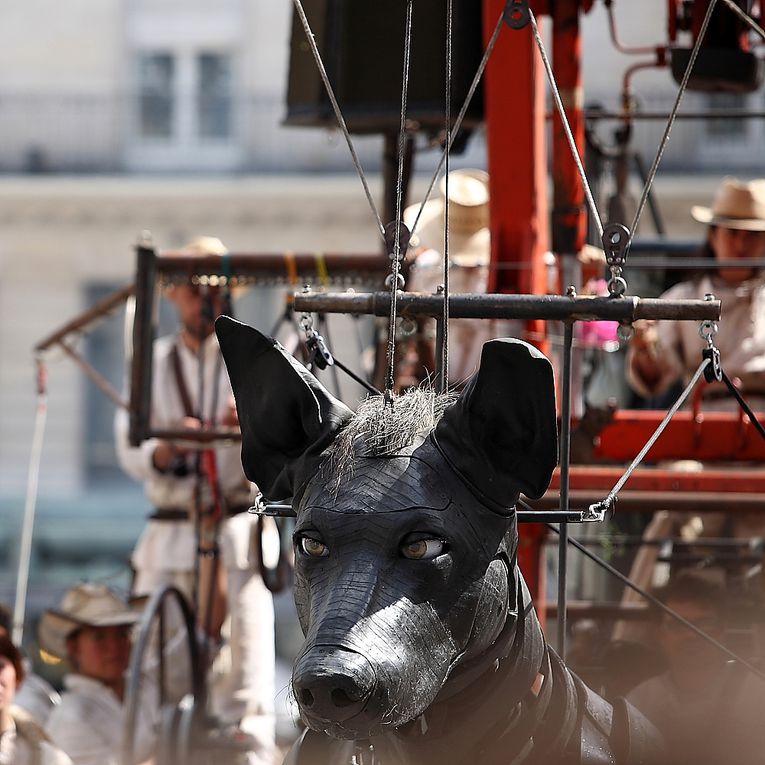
x,y
377,430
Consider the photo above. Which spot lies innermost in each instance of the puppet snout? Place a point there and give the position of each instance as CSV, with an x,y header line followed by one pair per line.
x,y
332,683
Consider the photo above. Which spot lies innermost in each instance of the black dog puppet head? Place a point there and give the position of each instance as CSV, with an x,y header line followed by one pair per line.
x,y
405,538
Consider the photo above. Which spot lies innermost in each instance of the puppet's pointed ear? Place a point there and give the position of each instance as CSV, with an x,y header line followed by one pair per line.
x,y
287,417
501,434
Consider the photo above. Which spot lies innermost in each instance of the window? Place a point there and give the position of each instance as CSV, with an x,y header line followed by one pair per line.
x,y
213,96
156,92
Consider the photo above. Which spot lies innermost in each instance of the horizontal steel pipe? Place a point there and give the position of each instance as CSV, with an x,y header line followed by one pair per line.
x,y
472,306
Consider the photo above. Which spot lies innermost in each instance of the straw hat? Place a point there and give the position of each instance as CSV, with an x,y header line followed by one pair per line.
x,y
85,605
204,245
469,239
738,205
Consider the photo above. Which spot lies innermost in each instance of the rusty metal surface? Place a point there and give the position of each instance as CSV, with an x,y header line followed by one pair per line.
x,y
143,344
712,436
495,306
739,480
86,318
721,501
289,267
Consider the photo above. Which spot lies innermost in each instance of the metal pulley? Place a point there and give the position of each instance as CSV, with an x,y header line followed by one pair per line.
x,y
616,239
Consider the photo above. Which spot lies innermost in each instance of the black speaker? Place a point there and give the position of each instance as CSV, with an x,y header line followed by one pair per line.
x,y
362,46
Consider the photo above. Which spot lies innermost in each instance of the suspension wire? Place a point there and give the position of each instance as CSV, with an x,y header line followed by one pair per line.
x,y
752,416
609,500
746,18
670,122
396,254
566,126
654,600
444,381
461,115
338,113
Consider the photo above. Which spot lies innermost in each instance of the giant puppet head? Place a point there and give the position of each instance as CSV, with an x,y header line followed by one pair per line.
x,y
405,541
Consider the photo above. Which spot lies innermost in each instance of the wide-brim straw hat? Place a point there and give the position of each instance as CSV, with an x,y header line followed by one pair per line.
x,y
469,238
205,246
86,605
737,204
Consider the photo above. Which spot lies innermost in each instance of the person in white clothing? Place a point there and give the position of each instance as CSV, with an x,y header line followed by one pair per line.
x,y
190,390
664,352
36,696
22,741
92,632
469,254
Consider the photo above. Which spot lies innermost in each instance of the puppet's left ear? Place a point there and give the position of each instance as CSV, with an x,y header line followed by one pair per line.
x,y
286,415
501,434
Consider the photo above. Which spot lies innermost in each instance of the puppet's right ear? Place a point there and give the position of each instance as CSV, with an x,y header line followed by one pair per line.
x,y
286,415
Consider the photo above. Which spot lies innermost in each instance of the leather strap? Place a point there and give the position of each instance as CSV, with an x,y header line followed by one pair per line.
x,y
180,383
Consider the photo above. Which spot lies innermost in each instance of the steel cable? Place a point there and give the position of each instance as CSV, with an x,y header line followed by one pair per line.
x,y
654,600
746,18
461,116
742,403
396,254
444,381
338,113
566,127
665,137
609,500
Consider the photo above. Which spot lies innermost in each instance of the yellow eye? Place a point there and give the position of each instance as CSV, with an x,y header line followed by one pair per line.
x,y
423,549
313,547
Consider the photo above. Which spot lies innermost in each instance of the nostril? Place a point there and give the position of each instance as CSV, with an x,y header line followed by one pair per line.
x,y
340,698
306,698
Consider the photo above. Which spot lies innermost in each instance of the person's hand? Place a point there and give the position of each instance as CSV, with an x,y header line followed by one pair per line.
x,y
646,336
163,456
230,419
166,452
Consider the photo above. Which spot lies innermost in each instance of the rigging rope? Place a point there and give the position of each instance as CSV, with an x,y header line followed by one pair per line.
x,y
566,127
739,398
746,18
396,256
338,113
601,507
461,115
443,383
653,599
665,137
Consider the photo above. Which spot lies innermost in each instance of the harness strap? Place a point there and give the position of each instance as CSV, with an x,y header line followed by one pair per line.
x,y
180,382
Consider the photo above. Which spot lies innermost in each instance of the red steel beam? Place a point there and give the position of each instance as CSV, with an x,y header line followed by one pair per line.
x,y
514,96
710,436
569,217
743,484
514,99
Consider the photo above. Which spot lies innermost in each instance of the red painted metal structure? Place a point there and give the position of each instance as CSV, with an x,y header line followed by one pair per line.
x,y
515,94
515,104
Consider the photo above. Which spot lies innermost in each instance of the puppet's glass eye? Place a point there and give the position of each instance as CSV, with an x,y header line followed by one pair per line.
x,y
423,549
313,548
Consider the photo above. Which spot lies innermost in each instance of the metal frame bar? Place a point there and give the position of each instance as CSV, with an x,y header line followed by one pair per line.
x,y
497,306
565,453
153,267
